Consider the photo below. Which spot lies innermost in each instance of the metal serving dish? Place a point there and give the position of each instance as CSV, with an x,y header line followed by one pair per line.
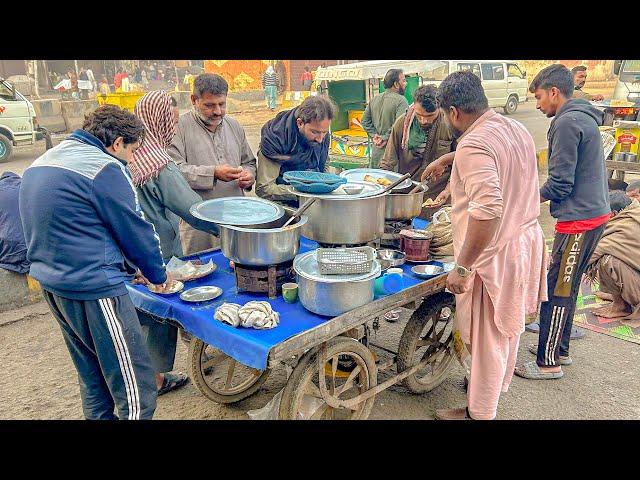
x,y
358,174
427,271
338,218
261,246
332,295
201,294
248,212
394,257
177,287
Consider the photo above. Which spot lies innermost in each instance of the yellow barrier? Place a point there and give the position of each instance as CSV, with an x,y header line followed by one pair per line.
x,y
121,99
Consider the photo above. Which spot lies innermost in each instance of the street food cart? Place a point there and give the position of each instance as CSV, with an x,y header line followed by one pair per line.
x,y
333,360
230,364
351,87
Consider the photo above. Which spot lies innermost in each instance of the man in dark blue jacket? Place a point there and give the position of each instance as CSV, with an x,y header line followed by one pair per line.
x,y
295,139
13,251
578,192
85,233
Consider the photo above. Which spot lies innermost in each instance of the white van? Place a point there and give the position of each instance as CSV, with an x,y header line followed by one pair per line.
x,y
504,82
18,124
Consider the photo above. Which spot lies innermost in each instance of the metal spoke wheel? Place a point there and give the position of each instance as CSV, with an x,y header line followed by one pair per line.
x,y
428,335
221,378
302,398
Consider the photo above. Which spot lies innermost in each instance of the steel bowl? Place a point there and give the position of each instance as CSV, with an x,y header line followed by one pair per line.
x,y
631,157
404,206
261,246
395,258
427,271
619,157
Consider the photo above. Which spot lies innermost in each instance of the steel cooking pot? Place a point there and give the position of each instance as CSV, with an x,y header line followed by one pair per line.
x,y
261,246
338,218
332,295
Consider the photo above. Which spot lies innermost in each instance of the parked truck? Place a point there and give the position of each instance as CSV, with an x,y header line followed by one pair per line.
x,y
18,122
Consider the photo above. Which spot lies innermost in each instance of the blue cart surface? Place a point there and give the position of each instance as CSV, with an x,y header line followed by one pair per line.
x,y
299,330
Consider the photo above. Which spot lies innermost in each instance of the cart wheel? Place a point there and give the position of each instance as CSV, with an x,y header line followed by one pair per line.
x,y
301,398
428,334
226,380
347,363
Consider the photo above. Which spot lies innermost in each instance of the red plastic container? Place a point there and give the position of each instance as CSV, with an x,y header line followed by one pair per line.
x,y
416,249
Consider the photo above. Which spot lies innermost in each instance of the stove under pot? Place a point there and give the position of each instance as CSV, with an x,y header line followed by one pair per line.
x,y
264,279
391,236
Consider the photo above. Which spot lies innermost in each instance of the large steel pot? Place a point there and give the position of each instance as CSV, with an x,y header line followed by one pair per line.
x,y
261,246
404,206
345,219
332,295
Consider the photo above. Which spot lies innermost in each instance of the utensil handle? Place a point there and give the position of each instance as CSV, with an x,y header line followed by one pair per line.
x,y
300,211
417,187
397,182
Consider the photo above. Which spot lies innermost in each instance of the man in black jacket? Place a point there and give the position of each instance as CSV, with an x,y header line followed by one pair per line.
x,y
577,190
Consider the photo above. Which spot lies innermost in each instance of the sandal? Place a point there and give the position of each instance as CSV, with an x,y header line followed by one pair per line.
x,y
172,382
453,414
562,360
533,327
531,371
576,333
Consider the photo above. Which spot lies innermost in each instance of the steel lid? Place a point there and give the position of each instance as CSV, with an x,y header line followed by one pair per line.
x,y
358,174
306,265
369,190
239,211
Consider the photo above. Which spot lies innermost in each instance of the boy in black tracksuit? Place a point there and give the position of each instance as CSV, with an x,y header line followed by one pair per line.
x,y
83,229
578,191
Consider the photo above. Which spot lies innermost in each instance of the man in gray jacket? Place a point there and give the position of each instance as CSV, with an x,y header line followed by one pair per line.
x,y
577,190
382,112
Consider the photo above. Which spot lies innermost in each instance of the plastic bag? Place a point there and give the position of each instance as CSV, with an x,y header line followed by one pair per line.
x,y
270,411
188,270
444,213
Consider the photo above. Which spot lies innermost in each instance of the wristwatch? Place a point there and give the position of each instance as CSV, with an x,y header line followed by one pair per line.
x,y
462,271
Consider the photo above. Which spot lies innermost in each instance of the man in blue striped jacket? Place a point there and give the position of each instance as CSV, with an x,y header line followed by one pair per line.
x,y
85,236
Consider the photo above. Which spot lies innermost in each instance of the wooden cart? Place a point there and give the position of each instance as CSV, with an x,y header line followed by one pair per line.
x,y
335,372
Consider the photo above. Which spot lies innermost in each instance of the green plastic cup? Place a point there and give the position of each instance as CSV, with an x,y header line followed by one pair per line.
x,y
290,292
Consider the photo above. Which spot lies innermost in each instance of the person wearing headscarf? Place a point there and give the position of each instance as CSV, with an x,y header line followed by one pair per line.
x,y
165,197
270,85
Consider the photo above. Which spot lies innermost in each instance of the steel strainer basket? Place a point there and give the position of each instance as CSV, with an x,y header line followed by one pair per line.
x,y
344,261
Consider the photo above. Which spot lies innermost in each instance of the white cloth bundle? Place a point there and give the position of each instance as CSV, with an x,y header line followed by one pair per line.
x,y
254,314
258,315
228,313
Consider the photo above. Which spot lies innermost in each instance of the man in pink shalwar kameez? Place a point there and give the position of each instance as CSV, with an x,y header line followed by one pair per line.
x,y
500,273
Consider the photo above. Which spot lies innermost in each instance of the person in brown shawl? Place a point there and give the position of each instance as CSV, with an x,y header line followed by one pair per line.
x,y
418,138
615,263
